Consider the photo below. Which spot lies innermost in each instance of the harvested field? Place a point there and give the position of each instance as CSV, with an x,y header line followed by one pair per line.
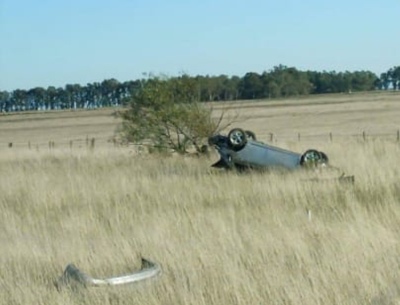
x,y
220,238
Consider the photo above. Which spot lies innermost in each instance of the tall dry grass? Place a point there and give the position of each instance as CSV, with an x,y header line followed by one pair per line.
x,y
221,238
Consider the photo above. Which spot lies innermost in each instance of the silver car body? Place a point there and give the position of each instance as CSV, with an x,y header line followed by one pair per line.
x,y
244,151
260,154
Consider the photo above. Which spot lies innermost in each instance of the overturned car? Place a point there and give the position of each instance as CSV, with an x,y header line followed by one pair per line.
x,y
240,150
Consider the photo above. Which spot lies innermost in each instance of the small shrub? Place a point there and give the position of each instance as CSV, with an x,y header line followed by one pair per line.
x,y
165,113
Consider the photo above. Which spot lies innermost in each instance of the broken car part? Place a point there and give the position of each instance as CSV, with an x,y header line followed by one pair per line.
x,y
72,275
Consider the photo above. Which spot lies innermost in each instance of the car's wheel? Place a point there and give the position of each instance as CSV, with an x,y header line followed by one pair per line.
x,y
250,135
310,158
324,158
237,138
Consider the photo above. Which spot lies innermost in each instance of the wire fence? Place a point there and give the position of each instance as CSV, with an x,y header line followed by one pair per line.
x,y
332,137
92,142
53,144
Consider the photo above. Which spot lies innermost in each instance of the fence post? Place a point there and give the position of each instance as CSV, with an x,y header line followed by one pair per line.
x,y
92,141
298,136
364,135
70,144
271,135
330,136
398,135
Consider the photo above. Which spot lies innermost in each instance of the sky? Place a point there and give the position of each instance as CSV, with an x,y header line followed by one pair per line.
x,y
57,42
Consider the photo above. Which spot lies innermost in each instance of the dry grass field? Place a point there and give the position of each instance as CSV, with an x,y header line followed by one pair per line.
x,y
220,238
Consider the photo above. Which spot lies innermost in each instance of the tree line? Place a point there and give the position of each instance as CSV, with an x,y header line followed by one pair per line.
x,y
280,81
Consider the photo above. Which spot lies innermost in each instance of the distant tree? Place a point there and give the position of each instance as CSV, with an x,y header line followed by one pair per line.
x,y
395,77
221,87
324,82
384,81
110,93
4,101
346,81
363,81
74,96
291,81
233,87
18,100
280,81
129,89
51,97
62,98
270,86
211,88
37,98
184,89
251,86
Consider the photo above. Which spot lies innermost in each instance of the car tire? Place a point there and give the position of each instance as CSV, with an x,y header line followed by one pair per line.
x,y
324,158
237,138
251,135
311,158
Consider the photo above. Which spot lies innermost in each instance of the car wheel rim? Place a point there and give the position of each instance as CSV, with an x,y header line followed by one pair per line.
x,y
311,157
237,138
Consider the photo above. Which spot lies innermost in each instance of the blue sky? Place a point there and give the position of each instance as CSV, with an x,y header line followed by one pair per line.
x,y
56,42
